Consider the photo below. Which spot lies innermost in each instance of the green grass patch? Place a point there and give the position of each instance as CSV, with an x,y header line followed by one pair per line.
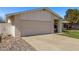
x,y
71,33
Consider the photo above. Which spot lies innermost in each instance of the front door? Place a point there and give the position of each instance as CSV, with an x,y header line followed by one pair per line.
x,y
55,26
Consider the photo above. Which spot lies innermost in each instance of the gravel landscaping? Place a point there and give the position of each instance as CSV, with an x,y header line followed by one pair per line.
x,y
9,43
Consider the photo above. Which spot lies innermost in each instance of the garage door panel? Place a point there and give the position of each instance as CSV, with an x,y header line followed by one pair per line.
x,y
35,27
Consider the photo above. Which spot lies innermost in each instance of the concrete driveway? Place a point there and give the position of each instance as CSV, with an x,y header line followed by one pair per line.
x,y
53,42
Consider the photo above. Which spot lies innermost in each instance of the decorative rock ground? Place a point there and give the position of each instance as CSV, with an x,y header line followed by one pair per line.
x,y
9,43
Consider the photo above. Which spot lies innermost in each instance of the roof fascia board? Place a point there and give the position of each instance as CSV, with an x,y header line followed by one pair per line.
x,y
36,10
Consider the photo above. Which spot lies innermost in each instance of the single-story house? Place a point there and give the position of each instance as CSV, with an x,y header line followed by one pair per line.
x,y
34,22
75,26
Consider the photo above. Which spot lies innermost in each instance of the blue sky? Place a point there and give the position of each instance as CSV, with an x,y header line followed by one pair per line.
x,y
58,10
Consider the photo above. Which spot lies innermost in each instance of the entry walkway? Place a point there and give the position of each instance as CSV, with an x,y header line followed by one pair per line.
x,y
53,42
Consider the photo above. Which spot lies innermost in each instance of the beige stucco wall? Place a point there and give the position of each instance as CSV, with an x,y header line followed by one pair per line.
x,y
6,28
34,22
60,26
36,15
15,21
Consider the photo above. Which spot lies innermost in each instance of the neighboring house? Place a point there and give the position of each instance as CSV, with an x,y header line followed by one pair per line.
x,y
75,26
67,25
34,22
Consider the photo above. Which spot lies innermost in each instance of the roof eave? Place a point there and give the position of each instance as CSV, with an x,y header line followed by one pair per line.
x,y
7,15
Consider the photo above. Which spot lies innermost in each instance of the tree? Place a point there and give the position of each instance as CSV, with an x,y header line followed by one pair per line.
x,y
72,15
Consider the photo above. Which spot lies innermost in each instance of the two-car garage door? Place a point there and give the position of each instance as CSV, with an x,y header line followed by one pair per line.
x,y
35,27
